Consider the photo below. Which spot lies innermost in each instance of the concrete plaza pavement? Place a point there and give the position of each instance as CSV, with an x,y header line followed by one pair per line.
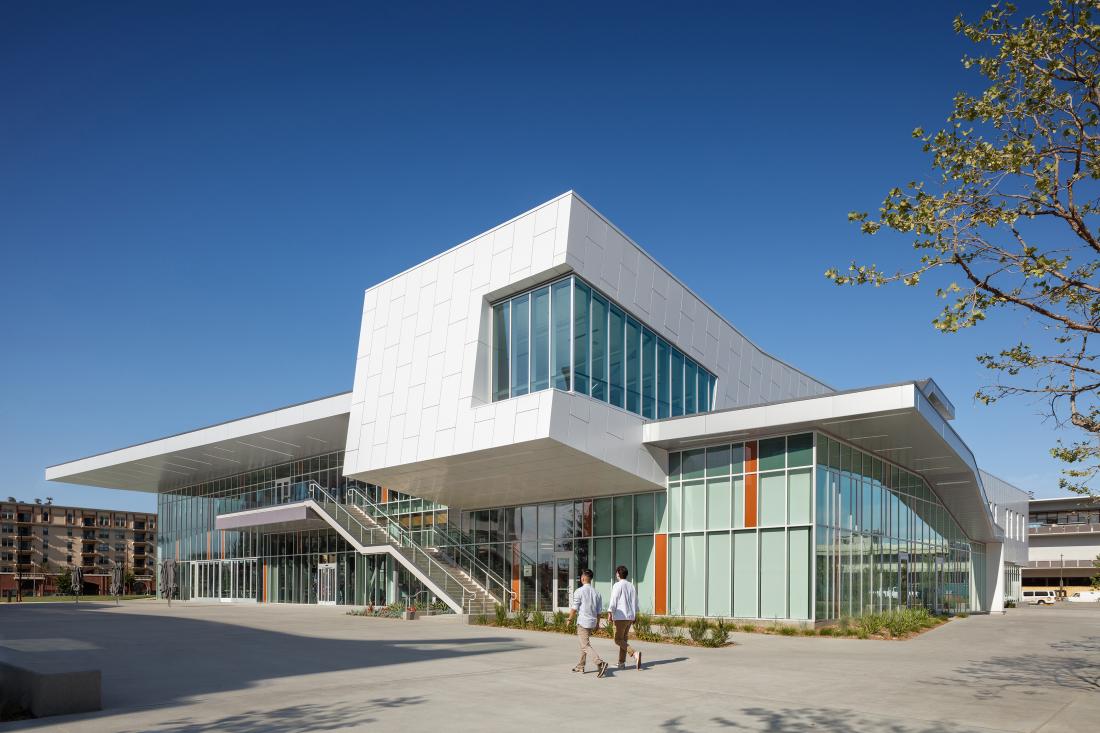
x,y
196,668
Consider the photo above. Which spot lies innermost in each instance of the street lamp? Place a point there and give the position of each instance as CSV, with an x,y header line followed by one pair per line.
x,y
1061,572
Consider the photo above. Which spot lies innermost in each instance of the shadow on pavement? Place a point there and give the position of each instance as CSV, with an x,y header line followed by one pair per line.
x,y
1075,665
159,660
289,719
818,720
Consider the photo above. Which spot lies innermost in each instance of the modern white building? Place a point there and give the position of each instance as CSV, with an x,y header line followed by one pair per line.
x,y
546,397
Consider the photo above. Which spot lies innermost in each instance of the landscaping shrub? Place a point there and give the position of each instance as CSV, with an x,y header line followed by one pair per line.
x,y
750,628
538,621
481,620
667,630
788,630
826,631
643,624
698,630
561,620
809,632
501,615
523,618
870,624
719,633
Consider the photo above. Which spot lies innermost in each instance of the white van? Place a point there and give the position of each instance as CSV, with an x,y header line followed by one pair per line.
x,y
1088,596
1039,597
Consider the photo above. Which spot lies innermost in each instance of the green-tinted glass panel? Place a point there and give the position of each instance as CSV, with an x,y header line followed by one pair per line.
x,y
773,573
718,461
663,377
694,463
691,375
582,300
800,450
695,579
624,555
540,339
643,513
624,515
560,297
737,458
834,454
598,325
798,584
719,495
674,466
771,453
738,504
521,345
745,573
645,572
675,575
822,449
799,497
603,565
661,511
719,574
633,366
677,391
773,499
845,457
616,357
675,505
601,516
501,354
695,500
649,374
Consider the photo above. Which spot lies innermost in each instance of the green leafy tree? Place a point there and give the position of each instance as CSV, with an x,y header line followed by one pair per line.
x,y
65,582
1009,218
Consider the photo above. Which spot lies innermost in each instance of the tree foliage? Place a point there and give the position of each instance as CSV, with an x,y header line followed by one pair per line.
x,y
1011,219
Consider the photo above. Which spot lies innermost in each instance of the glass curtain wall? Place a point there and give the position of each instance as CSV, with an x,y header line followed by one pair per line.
x,y
279,567
739,526
569,336
883,539
526,543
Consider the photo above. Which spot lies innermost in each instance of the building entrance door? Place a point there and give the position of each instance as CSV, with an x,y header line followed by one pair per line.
x,y
565,579
326,584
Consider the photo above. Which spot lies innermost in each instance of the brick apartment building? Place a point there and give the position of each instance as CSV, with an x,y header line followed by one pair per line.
x,y
40,540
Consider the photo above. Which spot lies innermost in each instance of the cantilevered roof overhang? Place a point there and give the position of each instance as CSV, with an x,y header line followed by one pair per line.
x,y
286,434
903,423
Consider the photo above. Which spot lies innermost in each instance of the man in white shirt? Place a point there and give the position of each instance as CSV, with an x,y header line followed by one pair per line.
x,y
622,610
586,608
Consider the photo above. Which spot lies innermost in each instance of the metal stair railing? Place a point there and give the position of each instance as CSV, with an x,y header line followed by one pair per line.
x,y
439,573
462,558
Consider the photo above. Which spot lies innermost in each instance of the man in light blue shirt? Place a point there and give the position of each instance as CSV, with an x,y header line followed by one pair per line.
x,y
586,608
622,610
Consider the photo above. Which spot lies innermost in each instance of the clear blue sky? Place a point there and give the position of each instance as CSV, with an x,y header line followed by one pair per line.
x,y
193,198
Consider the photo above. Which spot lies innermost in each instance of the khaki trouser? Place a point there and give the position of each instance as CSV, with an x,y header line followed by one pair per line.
x,y
622,630
583,636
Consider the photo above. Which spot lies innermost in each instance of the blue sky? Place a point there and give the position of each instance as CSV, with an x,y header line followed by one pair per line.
x,y
195,197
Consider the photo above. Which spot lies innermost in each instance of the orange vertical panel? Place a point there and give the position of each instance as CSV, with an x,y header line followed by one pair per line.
x,y
750,499
209,544
221,543
660,587
385,495
750,456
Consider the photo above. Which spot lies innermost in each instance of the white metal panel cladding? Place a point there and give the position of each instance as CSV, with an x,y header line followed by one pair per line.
x,y
421,389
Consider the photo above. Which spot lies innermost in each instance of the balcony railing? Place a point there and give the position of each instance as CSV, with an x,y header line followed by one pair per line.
x,y
1055,564
1044,529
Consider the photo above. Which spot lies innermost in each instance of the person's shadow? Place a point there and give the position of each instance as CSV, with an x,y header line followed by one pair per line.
x,y
611,671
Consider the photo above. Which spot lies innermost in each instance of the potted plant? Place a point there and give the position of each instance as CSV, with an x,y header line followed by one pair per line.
x,y
409,614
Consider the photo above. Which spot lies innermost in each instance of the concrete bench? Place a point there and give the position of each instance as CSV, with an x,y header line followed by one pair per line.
x,y
51,686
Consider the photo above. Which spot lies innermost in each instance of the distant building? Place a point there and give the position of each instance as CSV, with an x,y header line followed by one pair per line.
x,y
39,541
1064,540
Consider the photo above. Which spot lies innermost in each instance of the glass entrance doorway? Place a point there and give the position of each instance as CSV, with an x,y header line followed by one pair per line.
x,y
326,584
224,580
565,579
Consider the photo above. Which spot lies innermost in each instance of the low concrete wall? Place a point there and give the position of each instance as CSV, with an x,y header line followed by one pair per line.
x,y
44,688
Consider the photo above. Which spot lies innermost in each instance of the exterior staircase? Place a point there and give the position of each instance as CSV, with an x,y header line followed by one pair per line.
x,y
443,570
